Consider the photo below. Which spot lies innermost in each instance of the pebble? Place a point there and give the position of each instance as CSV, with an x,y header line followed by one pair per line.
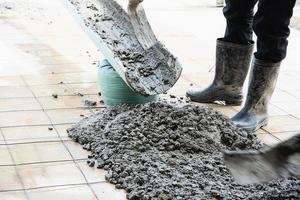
x,y
89,103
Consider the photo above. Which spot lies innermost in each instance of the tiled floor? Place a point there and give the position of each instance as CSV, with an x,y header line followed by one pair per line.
x,y
44,52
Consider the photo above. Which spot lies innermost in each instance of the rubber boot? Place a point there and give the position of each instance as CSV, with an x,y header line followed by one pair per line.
x,y
232,65
254,114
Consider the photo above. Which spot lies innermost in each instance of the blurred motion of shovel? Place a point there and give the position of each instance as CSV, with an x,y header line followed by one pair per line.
x,y
280,161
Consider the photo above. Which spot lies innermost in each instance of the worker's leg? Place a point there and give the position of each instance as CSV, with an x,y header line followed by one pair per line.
x,y
271,26
233,56
239,17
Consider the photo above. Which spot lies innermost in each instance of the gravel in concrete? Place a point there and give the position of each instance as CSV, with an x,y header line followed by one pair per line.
x,y
171,151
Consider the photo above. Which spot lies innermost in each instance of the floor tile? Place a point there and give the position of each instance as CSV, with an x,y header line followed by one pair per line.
x,y
9,179
18,104
200,80
39,152
84,88
295,93
96,110
5,158
275,111
284,123
57,61
11,81
14,92
287,86
179,90
297,116
13,195
292,108
261,131
23,118
282,96
50,174
61,102
2,139
228,111
49,90
82,192
106,191
285,135
268,139
62,131
76,150
29,134
86,77
67,116
40,79
92,174
67,68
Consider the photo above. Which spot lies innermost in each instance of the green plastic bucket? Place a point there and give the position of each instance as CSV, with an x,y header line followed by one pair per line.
x,y
115,91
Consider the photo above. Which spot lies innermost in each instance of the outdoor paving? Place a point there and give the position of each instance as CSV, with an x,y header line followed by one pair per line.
x,y
44,52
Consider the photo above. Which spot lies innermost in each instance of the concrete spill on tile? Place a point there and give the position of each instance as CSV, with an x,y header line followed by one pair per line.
x,y
171,151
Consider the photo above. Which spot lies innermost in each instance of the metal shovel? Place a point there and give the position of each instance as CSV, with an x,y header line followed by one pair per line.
x,y
156,71
280,161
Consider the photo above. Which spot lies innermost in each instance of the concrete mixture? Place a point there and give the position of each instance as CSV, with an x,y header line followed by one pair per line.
x,y
171,151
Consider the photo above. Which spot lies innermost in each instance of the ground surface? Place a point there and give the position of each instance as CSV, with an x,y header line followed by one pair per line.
x,y
39,37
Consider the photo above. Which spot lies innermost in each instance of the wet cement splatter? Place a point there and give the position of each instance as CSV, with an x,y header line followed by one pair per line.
x,y
170,151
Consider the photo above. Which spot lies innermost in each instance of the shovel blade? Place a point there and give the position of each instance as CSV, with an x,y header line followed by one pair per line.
x,y
280,161
250,167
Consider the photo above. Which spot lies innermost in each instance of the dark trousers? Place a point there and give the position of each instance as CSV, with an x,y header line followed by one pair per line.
x,y
270,23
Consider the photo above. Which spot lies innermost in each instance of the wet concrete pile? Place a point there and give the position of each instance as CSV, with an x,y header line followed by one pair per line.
x,y
111,22
171,151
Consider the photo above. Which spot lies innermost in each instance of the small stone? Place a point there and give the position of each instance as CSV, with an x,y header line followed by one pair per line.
x,y
89,103
101,164
91,156
91,163
118,186
50,128
55,96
